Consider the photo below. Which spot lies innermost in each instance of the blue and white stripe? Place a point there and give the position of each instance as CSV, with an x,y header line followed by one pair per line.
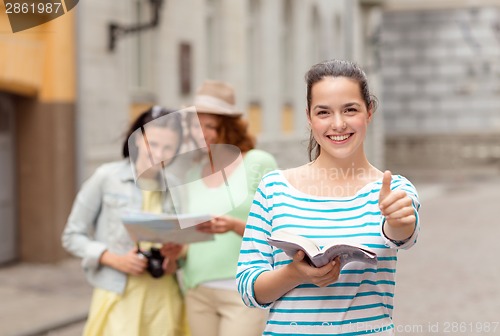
x,y
361,301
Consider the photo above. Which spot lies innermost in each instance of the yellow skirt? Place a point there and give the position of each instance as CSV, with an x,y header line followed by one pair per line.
x,y
149,307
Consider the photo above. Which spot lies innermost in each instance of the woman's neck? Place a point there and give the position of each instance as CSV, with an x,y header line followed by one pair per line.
x,y
348,168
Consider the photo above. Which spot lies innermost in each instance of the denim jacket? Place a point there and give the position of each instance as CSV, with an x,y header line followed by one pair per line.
x,y
94,224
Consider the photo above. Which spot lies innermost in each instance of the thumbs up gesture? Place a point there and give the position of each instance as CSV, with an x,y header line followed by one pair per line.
x,y
398,210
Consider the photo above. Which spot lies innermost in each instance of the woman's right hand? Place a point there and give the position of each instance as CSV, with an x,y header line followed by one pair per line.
x,y
222,224
130,263
320,276
272,285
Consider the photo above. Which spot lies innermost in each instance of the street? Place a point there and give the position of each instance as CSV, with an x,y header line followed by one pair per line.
x,y
449,283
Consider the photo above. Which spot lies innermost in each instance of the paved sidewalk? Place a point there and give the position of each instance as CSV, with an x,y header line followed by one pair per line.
x,y
448,281
36,298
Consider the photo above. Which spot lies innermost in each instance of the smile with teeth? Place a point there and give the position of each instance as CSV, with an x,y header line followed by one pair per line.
x,y
339,137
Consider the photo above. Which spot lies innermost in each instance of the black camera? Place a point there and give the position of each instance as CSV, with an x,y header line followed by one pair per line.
x,y
155,261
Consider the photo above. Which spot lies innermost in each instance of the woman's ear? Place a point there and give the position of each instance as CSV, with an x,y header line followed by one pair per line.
x,y
370,112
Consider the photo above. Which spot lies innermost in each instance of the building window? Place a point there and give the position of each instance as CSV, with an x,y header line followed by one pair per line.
x,y
287,72
185,68
213,39
254,68
315,46
141,51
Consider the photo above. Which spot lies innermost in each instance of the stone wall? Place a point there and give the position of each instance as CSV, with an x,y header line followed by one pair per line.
x,y
441,79
444,156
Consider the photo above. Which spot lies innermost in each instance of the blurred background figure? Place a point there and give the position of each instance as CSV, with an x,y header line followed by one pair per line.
x,y
127,300
213,305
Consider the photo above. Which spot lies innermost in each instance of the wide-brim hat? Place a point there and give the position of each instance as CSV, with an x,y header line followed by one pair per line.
x,y
216,97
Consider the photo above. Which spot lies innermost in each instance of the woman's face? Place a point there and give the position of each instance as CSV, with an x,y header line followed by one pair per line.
x,y
161,145
209,124
338,117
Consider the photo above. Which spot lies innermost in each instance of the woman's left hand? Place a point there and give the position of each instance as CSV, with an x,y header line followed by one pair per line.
x,y
397,207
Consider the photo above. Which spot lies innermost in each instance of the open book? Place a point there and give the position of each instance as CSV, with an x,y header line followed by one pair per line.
x,y
163,228
290,243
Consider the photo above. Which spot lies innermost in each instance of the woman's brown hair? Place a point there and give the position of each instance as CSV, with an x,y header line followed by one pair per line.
x,y
234,131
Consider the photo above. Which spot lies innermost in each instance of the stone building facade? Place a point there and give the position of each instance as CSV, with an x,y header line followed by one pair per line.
x,y
37,137
441,78
66,98
262,47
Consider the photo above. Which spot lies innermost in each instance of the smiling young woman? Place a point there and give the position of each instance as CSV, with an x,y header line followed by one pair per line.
x,y
339,195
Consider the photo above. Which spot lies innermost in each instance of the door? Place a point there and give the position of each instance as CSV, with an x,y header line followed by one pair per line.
x,y
7,196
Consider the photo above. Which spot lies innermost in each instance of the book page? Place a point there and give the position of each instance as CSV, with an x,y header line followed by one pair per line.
x,y
163,221
347,253
290,243
179,236
163,228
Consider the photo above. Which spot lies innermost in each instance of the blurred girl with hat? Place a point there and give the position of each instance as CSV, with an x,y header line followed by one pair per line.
x,y
214,306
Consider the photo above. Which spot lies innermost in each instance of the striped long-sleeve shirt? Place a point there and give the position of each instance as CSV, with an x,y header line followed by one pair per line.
x,y
361,301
